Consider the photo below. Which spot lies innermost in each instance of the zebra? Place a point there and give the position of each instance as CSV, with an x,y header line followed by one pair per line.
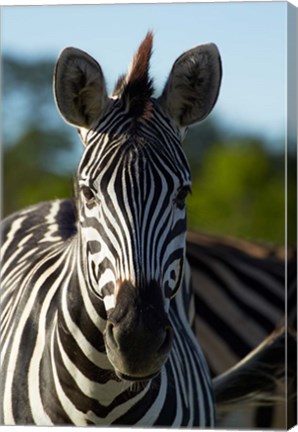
x,y
239,298
95,294
255,380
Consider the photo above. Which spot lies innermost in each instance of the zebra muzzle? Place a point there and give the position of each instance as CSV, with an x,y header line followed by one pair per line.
x,y
138,354
138,337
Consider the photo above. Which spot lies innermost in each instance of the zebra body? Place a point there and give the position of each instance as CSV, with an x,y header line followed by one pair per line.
x,y
95,292
239,291
239,294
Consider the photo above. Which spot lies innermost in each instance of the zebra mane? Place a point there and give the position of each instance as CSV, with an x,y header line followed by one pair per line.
x,y
136,87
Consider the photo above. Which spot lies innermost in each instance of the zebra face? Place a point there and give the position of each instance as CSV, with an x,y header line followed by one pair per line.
x,y
131,192
132,183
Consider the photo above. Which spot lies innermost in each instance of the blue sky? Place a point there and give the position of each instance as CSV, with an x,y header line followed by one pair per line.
x,y
251,38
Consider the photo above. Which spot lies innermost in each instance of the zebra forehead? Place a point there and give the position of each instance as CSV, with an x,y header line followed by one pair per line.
x,y
135,154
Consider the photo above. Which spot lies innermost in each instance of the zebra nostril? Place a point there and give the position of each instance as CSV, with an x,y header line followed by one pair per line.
x,y
110,337
167,341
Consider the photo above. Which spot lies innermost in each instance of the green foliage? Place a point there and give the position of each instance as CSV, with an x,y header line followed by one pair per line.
x,y
239,191
30,170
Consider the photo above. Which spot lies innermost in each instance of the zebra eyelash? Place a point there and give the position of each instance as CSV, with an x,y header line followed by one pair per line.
x,y
88,194
181,196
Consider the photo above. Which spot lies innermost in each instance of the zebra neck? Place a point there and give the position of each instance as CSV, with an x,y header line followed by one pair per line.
x,y
87,389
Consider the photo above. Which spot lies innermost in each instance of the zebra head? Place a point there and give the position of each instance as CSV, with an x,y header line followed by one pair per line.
x,y
131,185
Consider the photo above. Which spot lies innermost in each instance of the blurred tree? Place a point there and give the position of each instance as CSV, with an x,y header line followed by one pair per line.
x,y
240,191
40,151
28,97
199,140
30,170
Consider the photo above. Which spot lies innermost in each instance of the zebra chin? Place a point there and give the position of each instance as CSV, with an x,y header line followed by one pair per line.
x,y
131,378
138,335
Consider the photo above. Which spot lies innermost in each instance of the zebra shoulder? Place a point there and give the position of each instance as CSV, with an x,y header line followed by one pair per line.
x,y
52,221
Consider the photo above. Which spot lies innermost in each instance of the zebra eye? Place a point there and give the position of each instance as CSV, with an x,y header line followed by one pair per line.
x,y
87,193
181,196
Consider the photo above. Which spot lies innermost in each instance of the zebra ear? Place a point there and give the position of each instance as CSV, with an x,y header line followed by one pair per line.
x,y
79,87
193,85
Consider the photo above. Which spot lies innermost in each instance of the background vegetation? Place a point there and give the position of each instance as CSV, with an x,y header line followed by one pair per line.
x,y
238,181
